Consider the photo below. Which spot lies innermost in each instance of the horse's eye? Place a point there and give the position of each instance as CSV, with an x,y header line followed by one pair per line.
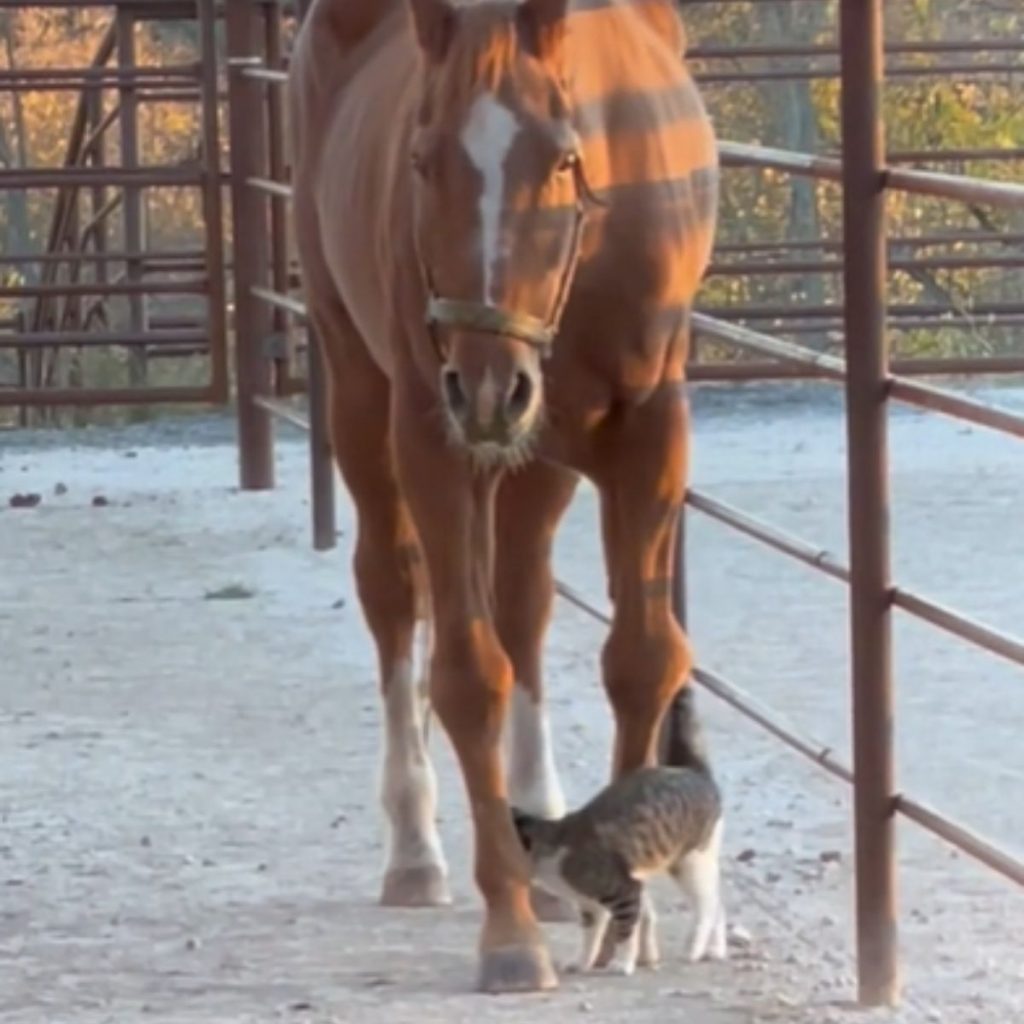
x,y
418,163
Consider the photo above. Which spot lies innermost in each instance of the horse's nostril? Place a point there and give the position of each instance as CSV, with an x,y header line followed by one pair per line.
x,y
519,395
454,396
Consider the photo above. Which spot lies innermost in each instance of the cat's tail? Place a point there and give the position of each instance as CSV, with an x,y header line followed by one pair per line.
x,y
682,737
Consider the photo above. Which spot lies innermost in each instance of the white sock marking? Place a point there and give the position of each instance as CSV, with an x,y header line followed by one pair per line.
x,y
409,786
487,136
533,783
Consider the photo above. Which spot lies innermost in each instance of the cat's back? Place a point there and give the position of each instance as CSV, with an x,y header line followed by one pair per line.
x,y
652,816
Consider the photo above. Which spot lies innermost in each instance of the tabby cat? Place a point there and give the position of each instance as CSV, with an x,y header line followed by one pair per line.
x,y
654,820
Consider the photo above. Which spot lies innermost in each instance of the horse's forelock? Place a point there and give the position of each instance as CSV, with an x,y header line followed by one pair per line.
x,y
483,54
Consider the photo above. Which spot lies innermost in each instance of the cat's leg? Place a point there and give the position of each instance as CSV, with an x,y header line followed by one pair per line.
x,y
625,908
387,570
719,948
698,875
649,954
594,920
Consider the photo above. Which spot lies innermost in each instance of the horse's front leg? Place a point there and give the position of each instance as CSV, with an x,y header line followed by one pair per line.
x,y
530,504
471,682
646,657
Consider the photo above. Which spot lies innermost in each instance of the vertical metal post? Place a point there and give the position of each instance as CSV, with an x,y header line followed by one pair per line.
x,y
251,257
213,212
23,372
679,570
132,207
864,278
272,15
98,158
321,460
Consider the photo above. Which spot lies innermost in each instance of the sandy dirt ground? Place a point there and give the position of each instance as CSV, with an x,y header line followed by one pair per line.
x,y
189,828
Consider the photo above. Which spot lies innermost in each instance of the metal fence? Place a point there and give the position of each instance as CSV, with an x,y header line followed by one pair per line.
x,y
91,286
275,357
869,379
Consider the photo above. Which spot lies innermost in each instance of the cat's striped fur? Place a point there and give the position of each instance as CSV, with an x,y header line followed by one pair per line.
x,y
651,821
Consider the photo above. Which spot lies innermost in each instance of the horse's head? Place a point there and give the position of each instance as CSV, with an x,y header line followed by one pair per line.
x,y
498,189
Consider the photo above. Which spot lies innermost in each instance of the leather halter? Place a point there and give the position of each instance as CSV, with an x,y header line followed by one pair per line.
x,y
483,316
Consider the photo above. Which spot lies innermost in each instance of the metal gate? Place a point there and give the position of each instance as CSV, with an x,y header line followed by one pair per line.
x,y
96,283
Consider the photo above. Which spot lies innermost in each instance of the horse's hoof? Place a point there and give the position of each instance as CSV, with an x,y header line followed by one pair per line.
x,y
551,908
516,969
415,887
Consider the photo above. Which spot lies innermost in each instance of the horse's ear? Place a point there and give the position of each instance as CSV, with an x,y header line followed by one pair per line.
x,y
435,23
542,23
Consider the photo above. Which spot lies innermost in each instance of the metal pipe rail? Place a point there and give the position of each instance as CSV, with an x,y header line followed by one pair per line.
x,y
764,344
833,368
160,8
1004,194
926,396
750,268
769,312
819,558
971,237
743,50
929,183
804,74
188,286
36,397
54,177
75,79
95,339
959,836
168,257
759,370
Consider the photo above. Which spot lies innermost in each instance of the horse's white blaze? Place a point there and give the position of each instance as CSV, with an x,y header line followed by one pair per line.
x,y
533,783
487,136
408,786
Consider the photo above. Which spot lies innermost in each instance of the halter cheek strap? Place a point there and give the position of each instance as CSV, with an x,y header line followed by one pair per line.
x,y
487,318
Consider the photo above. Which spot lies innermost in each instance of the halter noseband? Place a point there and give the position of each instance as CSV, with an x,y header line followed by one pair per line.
x,y
475,315
481,316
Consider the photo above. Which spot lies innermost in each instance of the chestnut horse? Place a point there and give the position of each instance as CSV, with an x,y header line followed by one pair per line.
x,y
502,212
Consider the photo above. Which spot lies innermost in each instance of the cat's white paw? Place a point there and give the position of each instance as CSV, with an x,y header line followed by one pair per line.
x,y
624,967
717,951
695,954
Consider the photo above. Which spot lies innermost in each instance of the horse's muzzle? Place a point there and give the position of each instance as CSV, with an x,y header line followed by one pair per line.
x,y
497,406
